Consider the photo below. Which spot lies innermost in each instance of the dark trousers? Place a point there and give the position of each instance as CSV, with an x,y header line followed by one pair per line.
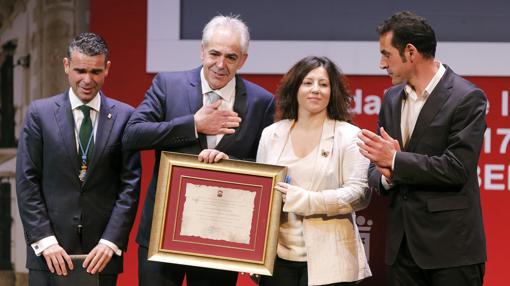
x,y
158,273
405,272
291,273
46,278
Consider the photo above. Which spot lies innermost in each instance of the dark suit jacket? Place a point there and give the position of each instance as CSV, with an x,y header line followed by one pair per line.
x,y
164,121
436,198
51,198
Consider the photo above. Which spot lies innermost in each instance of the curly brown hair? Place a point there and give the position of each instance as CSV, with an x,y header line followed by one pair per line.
x,y
340,99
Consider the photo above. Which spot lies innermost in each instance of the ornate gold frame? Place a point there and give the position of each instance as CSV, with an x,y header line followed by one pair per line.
x,y
158,253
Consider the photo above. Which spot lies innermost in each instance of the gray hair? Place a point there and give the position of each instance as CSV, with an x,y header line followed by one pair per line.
x,y
89,44
232,23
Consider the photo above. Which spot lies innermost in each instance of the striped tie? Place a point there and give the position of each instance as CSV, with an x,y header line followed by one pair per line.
x,y
211,139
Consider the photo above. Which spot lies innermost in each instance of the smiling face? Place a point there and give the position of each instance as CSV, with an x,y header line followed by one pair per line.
x,y
398,67
222,58
86,74
314,93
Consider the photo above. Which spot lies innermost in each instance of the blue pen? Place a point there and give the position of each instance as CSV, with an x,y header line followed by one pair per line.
x,y
287,179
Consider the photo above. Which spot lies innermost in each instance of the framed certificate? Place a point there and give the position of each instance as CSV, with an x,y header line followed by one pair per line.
x,y
224,215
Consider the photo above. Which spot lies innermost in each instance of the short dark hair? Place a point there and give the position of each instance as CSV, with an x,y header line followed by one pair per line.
x,y
339,101
89,44
409,28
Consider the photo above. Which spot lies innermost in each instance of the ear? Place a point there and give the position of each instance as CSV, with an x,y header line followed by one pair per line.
x,y
412,51
242,60
202,53
67,67
108,64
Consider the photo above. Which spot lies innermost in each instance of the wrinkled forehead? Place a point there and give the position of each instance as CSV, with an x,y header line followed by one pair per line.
x,y
224,40
81,60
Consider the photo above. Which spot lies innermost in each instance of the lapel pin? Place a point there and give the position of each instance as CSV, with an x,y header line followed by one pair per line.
x,y
109,116
324,153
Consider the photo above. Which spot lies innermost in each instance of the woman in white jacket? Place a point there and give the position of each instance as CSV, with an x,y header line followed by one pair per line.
x,y
319,242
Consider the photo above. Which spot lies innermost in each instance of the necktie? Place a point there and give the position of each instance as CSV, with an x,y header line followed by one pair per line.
x,y
213,97
86,138
211,139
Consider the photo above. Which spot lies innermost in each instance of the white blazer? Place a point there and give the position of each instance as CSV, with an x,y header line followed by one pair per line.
x,y
335,252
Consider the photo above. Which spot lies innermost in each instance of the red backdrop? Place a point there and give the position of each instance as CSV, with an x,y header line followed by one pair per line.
x,y
123,25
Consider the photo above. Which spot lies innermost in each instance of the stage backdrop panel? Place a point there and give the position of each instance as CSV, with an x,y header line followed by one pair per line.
x,y
287,30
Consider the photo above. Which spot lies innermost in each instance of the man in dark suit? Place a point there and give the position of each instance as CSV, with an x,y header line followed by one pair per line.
x,y
176,115
435,234
77,186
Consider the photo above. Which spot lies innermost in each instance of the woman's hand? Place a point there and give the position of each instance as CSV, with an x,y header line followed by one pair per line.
x,y
211,156
282,188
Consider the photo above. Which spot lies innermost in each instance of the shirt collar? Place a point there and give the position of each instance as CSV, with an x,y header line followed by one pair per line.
x,y
226,93
95,103
430,86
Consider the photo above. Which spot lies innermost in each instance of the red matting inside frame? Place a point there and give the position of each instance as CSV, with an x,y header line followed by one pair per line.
x,y
173,241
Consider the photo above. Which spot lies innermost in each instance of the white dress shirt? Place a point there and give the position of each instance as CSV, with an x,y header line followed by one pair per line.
x,y
411,108
226,93
95,106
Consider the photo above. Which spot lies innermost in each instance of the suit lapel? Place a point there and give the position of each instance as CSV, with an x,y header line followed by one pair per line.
x,y
280,137
65,122
430,109
325,152
105,122
240,106
241,97
396,104
195,99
